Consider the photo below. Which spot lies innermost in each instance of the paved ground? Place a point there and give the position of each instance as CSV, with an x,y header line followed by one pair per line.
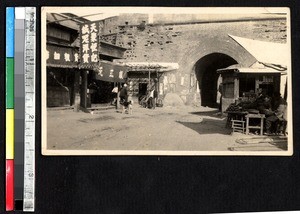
x,y
168,128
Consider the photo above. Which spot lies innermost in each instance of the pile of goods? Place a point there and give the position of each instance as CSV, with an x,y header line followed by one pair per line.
x,y
233,107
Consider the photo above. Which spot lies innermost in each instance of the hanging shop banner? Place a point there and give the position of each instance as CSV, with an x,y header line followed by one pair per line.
x,y
60,56
110,72
89,44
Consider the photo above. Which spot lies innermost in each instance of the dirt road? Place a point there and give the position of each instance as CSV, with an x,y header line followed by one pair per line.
x,y
169,129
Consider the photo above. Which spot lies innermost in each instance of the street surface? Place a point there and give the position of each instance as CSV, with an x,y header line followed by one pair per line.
x,y
182,128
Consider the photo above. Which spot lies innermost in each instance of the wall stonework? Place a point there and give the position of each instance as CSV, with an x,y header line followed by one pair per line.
x,y
187,43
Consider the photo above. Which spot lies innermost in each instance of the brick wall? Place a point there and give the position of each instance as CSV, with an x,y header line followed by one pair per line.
x,y
186,43
170,42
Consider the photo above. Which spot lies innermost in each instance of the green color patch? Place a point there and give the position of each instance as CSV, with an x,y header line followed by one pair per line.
x,y
9,83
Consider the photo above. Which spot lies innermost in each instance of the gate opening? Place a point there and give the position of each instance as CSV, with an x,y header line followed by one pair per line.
x,y
208,79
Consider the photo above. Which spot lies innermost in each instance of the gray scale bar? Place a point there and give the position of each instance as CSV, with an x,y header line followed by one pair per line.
x,y
19,107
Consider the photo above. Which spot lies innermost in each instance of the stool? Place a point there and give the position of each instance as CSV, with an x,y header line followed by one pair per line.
x,y
238,125
255,116
234,115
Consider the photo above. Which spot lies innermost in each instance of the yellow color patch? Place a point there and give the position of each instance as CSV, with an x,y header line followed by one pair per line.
x,y
10,131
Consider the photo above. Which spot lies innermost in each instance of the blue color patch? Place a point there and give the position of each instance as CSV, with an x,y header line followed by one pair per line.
x,y
10,28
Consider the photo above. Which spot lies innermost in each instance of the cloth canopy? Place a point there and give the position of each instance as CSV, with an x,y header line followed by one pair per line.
x,y
276,54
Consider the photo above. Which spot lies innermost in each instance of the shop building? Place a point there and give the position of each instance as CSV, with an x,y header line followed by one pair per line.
x,y
62,57
80,67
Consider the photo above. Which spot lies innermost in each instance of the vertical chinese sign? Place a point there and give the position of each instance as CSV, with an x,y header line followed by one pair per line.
x,y
89,45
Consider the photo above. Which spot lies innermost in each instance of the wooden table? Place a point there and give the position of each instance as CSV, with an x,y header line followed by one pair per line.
x,y
255,116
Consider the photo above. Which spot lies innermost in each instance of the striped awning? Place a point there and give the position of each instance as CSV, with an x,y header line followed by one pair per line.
x,y
150,66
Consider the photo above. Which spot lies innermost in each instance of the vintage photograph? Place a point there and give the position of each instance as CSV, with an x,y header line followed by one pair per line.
x,y
166,81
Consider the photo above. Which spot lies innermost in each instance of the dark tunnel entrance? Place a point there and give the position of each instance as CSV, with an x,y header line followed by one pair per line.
x,y
205,69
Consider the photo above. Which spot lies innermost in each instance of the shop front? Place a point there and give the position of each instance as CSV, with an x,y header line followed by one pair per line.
x,y
99,73
101,81
62,75
143,77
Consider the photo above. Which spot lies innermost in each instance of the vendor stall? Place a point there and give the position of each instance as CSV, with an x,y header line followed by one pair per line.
x,y
248,83
247,95
143,77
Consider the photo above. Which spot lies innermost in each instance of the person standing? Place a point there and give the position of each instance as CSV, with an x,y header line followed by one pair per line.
x,y
151,99
114,95
220,89
155,95
124,94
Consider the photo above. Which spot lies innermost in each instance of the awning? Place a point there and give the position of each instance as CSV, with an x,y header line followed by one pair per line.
x,y
151,66
110,72
256,68
275,54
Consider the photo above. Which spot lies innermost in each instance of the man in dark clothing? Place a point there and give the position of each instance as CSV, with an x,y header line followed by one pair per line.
x,y
264,106
277,100
124,94
278,114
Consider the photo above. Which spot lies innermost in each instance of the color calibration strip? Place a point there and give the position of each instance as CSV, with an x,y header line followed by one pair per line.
x,y
20,108
10,12
29,125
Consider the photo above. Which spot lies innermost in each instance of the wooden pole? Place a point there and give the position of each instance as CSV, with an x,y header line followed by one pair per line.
x,y
149,77
76,91
118,99
83,95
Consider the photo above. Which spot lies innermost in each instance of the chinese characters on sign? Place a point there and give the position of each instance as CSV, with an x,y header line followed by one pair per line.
x,y
89,44
110,72
62,56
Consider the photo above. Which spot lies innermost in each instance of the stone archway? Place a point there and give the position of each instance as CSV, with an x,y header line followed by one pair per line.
x,y
208,55
207,77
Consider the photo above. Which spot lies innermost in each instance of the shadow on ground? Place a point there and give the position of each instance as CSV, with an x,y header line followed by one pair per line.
x,y
212,113
207,126
279,142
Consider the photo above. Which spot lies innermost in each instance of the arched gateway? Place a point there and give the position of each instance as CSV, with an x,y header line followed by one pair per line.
x,y
205,70
206,57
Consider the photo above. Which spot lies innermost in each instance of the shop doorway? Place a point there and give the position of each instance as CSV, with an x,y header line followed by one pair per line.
x,y
208,78
142,89
100,92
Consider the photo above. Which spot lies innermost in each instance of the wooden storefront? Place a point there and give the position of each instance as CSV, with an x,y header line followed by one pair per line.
x,y
247,83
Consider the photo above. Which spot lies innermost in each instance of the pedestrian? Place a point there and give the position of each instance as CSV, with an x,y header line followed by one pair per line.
x,y
220,89
124,94
115,95
155,94
151,99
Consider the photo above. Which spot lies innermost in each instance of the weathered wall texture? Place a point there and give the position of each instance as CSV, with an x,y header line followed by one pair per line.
x,y
187,43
